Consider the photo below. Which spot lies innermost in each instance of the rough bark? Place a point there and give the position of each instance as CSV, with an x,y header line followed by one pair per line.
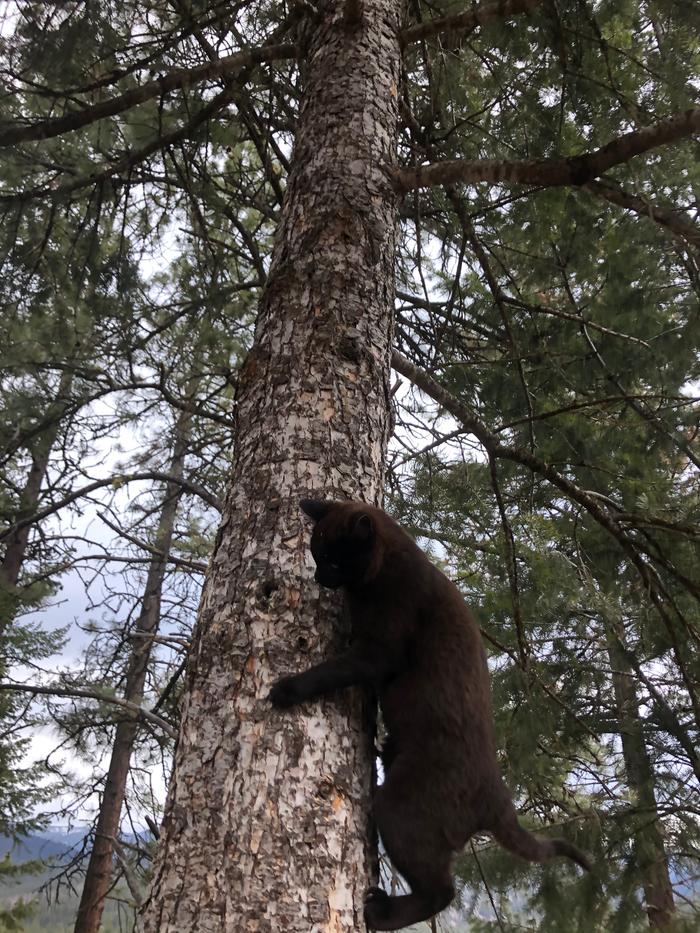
x,y
648,834
98,875
266,824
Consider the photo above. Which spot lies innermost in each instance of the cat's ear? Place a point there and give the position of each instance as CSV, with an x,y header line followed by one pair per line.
x,y
315,508
363,528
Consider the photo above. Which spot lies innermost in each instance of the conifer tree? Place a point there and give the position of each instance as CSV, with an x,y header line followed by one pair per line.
x,y
526,170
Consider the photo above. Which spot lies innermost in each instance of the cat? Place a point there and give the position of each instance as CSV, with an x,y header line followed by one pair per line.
x,y
416,643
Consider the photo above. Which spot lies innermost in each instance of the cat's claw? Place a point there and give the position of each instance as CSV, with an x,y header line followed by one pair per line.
x,y
284,692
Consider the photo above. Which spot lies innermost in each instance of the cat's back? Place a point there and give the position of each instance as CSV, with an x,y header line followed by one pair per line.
x,y
442,688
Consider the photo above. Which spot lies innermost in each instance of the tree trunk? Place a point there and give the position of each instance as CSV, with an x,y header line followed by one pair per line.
x,y
648,836
16,547
99,871
267,820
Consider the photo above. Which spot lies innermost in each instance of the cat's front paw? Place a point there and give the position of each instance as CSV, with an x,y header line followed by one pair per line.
x,y
285,692
377,908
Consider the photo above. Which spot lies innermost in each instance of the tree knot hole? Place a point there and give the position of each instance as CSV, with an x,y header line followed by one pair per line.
x,y
326,787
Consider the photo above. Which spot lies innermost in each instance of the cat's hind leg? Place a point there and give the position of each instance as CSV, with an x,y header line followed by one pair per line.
x,y
419,850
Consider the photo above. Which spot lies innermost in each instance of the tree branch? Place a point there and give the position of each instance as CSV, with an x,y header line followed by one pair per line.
x,y
586,500
665,714
181,77
129,874
570,316
122,166
679,226
468,20
154,551
194,565
116,480
512,566
80,693
352,14
549,173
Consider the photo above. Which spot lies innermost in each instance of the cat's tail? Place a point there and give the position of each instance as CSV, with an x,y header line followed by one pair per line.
x,y
519,841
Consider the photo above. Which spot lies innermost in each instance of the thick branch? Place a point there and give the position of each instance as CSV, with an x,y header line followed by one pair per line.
x,y
549,173
181,77
676,224
80,693
468,20
352,14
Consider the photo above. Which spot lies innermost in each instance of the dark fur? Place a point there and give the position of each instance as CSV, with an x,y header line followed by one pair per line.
x,y
415,641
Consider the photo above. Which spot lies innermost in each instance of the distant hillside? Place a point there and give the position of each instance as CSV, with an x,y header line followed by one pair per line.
x,y
52,847
49,846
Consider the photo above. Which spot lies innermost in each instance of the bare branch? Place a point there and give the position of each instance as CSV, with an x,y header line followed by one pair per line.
x,y
129,874
154,551
82,693
194,565
116,481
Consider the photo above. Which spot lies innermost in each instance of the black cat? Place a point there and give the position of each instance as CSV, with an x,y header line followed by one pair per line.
x,y
415,641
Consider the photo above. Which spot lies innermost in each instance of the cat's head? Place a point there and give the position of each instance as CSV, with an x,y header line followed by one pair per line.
x,y
343,542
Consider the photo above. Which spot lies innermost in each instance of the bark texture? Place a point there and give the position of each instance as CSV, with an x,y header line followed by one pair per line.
x,y
266,825
98,875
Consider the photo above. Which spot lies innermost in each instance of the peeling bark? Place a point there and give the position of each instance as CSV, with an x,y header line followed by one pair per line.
x,y
267,820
